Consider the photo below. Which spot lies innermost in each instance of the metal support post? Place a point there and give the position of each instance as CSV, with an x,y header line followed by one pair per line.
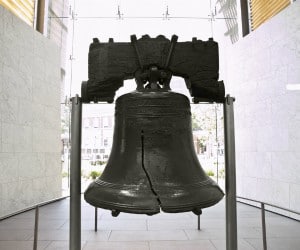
x,y
36,228
75,175
198,222
263,224
230,181
96,219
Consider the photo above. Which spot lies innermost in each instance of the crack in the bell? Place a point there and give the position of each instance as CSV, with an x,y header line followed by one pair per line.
x,y
146,172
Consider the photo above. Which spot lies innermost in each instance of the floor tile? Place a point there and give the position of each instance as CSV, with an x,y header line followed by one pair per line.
x,y
112,224
91,235
22,245
276,244
61,245
182,245
147,235
140,245
12,234
282,231
53,235
242,244
23,223
219,233
212,222
173,224
206,234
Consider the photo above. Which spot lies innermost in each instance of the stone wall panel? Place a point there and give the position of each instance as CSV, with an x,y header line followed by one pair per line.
x,y
259,68
30,143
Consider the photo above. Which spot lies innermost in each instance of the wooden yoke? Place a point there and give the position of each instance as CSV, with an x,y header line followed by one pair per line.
x,y
113,62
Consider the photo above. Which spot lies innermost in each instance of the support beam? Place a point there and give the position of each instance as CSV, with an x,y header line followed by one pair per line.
x,y
244,17
230,175
36,228
75,175
263,225
40,16
96,219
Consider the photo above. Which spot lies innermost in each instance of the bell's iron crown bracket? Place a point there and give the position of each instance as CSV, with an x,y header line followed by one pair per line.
x,y
152,62
156,78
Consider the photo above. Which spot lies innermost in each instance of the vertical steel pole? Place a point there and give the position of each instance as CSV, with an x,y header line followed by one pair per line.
x,y
36,228
230,181
96,219
217,142
263,223
75,175
199,222
40,20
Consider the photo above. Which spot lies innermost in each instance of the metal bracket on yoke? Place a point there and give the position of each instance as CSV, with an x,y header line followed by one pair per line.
x,y
155,76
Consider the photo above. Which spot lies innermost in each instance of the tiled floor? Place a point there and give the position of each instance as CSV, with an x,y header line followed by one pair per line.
x,y
139,232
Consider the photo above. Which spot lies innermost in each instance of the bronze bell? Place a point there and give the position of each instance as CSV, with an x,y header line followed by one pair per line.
x,y
153,164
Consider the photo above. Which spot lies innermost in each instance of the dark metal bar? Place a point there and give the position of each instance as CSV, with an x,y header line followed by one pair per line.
x,y
36,228
138,54
40,16
263,224
217,142
199,222
145,17
75,175
271,205
230,175
244,17
172,45
96,219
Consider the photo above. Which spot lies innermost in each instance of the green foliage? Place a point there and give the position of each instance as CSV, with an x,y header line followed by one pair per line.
x,y
195,122
94,174
100,162
210,173
64,174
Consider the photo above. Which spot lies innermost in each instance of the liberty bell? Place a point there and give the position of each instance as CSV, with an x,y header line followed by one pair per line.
x,y
153,165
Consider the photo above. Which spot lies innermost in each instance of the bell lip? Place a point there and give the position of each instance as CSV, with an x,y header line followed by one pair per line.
x,y
156,206
190,207
149,205
121,207
216,192
152,210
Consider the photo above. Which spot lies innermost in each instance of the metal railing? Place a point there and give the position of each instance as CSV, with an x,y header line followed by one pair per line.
x,y
262,207
263,215
33,207
36,216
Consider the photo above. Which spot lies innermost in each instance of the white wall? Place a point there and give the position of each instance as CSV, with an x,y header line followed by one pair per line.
x,y
267,115
30,116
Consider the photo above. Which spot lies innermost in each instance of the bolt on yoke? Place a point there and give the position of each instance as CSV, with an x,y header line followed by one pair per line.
x,y
153,79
